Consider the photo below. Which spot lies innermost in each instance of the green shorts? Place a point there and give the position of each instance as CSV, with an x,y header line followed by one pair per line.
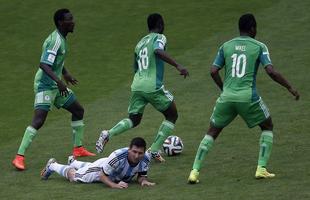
x,y
253,113
44,99
161,99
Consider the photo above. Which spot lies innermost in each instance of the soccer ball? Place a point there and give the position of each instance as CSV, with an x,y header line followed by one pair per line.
x,y
173,145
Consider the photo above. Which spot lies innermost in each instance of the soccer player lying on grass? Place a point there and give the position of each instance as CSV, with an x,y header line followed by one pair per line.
x,y
116,171
147,87
240,58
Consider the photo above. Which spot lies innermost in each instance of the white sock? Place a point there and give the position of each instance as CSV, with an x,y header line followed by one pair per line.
x,y
78,164
60,169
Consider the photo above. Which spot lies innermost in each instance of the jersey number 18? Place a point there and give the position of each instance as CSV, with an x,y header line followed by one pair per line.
x,y
143,61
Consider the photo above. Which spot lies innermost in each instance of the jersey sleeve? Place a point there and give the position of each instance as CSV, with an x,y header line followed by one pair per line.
x,y
50,50
219,59
111,165
264,56
160,42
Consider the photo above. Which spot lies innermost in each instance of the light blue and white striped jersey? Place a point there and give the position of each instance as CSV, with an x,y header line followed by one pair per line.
x,y
117,167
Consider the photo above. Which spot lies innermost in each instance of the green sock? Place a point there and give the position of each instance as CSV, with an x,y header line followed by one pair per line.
x,y
29,135
203,149
164,131
265,144
120,127
78,132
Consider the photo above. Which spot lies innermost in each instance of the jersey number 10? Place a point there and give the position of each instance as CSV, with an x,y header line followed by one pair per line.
x,y
239,61
143,61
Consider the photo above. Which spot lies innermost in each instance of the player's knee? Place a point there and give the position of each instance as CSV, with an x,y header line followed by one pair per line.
x,y
267,125
37,123
270,126
172,117
79,113
135,119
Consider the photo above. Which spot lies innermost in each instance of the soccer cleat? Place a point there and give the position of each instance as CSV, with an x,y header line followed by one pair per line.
x,y
19,162
81,151
46,172
193,177
261,172
102,140
71,159
156,156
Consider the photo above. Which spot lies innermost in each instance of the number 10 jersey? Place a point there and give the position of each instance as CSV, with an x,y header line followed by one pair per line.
x,y
241,58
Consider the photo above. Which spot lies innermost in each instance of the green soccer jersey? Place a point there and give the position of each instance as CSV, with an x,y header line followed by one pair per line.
x,y
149,70
241,58
53,54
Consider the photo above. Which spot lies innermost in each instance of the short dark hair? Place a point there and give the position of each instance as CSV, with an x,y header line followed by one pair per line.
x,y
59,15
138,142
246,22
153,20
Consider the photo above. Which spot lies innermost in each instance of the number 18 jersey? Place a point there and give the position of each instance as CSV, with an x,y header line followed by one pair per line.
x,y
241,58
149,69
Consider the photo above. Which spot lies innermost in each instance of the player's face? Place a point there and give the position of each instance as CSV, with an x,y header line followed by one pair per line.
x,y
135,154
68,22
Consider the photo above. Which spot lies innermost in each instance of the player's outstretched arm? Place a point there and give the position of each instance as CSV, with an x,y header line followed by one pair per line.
x,y
277,77
61,86
165,57
142,180
105,179
214,72
68,77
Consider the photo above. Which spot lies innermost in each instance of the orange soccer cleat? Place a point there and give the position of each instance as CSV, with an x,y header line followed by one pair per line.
x,y
81,151
19,162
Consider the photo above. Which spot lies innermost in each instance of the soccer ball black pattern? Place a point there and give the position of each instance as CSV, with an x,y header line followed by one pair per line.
x,y
173,145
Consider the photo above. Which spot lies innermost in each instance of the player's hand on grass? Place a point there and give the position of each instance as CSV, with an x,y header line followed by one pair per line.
x,y
62,88
70,79
147,183
183,71
294,93
121,185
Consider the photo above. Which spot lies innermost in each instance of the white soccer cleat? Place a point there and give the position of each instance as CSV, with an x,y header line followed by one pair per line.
x,y
46,172
102,140
156,155
71,159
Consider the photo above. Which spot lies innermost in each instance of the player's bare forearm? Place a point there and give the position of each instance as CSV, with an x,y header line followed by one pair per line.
x,y
48,70
168,59
165,57
64,71
61,86
105,179
143,181
141,178
277,77
214,72
68,77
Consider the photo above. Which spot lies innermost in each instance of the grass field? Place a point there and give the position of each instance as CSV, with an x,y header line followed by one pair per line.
x,y
100,57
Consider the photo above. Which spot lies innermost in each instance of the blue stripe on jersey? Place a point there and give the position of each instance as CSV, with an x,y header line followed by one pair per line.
x,y
118,158
128,173
146,161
